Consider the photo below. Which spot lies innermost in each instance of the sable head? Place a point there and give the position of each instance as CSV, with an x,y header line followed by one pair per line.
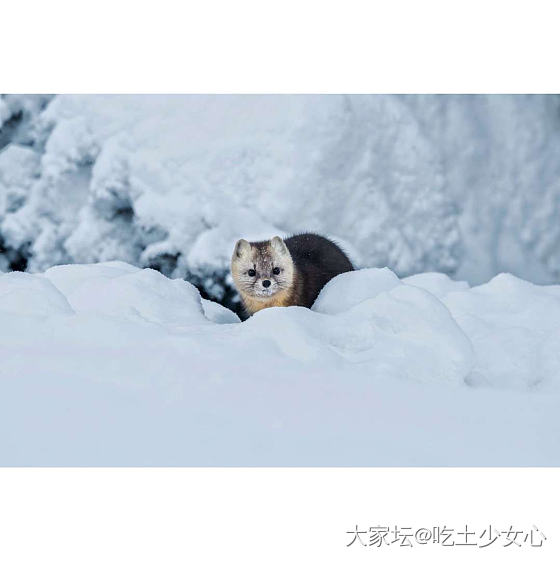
x,y
262,269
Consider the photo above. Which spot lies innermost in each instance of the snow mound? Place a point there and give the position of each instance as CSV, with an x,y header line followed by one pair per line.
x,y
145,294
437,284
108,364
120,289
513,326
68,278
25,294
217,313
348,289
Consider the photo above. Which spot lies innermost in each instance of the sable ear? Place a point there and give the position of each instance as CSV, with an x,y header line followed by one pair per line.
x,y
242,247
278,245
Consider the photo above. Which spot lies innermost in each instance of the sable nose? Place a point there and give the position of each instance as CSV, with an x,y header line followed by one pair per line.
x,y
266,283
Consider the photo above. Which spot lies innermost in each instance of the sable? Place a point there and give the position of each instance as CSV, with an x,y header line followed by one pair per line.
x,y
288,272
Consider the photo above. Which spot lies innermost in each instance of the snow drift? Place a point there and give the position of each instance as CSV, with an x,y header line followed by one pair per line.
x,y
108,364
465,185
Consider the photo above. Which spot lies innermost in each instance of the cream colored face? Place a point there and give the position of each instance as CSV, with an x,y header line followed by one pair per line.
x,y
262,269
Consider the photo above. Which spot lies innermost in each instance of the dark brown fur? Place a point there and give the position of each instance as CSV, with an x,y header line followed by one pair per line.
x,y
316,260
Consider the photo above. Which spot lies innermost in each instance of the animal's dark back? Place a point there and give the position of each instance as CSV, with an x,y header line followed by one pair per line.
x,y
317,261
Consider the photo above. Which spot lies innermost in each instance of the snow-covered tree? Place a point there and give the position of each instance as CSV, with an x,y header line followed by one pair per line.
x,y
467,185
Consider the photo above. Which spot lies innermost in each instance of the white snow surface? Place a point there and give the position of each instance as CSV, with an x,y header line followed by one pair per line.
x,y
108,364
465,185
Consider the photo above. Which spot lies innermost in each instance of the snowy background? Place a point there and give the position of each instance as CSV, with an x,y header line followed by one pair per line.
x,y
107,363
465,185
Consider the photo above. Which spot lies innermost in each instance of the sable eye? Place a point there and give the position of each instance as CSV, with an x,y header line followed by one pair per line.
x,y
251,272
276,271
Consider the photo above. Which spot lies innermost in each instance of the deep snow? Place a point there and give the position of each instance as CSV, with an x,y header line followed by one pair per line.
x,y
108,364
